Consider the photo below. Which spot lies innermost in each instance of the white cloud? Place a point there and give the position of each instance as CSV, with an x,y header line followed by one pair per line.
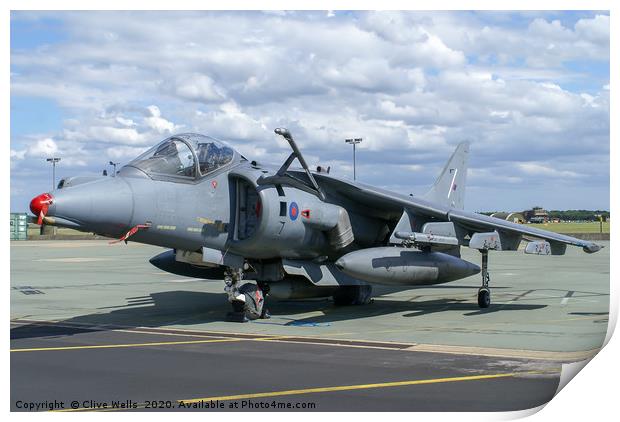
x,y
125,122
124,152
115,134
412,84
18,155
541,170
230,121
156,122
197,87
46,147
595,30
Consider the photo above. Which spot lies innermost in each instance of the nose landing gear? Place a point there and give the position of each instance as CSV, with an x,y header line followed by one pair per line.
x,y
248,300
484,292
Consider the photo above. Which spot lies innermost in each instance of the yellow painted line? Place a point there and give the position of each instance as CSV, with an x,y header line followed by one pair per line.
x,y
113,346
212,333
137,330
126,330
407,347
351,387
150,332
163,343
332,389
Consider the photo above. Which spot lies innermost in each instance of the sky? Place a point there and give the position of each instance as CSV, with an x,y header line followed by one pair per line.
x,y
529,90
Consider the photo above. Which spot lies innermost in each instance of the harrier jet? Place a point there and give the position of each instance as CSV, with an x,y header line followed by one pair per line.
x,y
289,233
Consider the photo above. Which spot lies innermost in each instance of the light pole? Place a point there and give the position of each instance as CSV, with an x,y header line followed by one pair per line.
x,y
53,161
353,141
114,165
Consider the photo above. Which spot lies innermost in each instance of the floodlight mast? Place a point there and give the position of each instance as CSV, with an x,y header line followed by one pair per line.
x,y
353,141
113,164
53,160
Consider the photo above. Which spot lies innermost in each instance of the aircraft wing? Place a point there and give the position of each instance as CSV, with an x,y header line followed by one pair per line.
x,y
480,222
390,203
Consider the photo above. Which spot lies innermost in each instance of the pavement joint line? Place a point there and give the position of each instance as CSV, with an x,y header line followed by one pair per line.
x,y
571,356
506,353
167,334
585,318
354,346
332,389
307,337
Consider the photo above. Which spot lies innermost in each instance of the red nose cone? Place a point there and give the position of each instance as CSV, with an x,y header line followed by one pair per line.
x,y
39,203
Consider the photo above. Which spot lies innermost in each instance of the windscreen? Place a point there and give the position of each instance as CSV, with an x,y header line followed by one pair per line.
x,y
171,157
211,153
211,156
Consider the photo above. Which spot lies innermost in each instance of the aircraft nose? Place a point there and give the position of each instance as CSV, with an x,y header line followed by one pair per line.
x,y
40,203
103,206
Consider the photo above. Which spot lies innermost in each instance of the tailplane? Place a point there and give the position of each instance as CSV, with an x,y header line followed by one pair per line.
x,y
449,188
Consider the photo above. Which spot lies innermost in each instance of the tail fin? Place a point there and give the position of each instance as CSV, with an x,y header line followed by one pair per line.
x,y
449,188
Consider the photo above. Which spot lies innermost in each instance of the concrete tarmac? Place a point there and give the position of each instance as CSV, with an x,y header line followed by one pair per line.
x,y
97,322
96,368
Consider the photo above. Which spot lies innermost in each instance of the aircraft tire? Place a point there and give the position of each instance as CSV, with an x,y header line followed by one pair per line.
x,y
353,295
484,298
254,301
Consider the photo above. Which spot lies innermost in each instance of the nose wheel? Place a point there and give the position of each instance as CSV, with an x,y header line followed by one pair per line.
x,y
484,292
484,297
247,300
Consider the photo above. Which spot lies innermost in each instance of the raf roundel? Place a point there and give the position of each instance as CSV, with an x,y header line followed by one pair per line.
x,y
293,211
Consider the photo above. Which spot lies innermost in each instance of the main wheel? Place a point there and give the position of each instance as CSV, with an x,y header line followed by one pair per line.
x,y
484,298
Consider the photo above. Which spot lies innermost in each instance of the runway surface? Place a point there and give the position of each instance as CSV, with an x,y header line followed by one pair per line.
x,y
96,323
92,366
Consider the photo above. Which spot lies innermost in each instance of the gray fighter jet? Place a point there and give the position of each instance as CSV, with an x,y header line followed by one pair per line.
x,y
296,233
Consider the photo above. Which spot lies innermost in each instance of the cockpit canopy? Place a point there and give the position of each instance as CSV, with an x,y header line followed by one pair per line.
x,y
187,156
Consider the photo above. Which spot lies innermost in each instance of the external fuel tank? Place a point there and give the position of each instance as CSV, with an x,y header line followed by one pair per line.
x,y
404,266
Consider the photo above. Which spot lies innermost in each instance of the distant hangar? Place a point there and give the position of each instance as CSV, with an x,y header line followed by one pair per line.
x,y
515,217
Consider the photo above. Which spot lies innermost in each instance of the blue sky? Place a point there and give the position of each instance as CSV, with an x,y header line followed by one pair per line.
x,y
530,90
29,34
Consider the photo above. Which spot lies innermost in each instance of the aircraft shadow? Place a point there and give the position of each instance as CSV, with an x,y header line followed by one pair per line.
x,y
408,309
163,309
154,310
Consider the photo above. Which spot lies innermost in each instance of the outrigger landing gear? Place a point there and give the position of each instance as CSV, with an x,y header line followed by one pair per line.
x,y
484,292
248,301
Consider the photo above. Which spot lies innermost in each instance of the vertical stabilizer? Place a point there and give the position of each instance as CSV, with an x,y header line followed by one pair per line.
x,y
449,188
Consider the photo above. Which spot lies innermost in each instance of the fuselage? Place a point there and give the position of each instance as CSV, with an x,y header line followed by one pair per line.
x,y
191,193
227,210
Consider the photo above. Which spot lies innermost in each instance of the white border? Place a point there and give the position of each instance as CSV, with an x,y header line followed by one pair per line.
x,y
590,396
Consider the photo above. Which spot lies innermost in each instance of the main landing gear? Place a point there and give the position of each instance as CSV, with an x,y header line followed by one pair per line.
x,y
247,300
484,292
